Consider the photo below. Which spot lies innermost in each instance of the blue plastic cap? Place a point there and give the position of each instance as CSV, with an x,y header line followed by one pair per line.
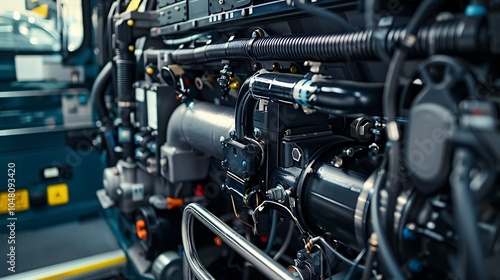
x,y
475,10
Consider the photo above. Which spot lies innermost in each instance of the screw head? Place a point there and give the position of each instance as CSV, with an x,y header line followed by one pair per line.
x,y
256,133
221,2
296,154
349,152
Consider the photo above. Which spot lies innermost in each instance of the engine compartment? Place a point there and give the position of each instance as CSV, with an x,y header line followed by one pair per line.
x,y
302,139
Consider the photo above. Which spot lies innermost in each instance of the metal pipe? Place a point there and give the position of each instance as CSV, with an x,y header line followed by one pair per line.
x,y
200,126
247,250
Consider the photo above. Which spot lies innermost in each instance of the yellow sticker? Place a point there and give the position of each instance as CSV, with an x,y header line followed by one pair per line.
x,y
133,5
42,10
21,201
57,194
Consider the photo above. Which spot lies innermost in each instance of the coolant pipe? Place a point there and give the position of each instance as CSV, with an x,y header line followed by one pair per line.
x,y
347,98
195,269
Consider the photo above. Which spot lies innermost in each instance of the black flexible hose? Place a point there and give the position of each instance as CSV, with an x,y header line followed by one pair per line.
x,y
124,77
457,36
465,214
245,105
99,91
424,11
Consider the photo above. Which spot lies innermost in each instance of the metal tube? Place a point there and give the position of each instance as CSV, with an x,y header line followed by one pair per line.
x,y
200,126
247,250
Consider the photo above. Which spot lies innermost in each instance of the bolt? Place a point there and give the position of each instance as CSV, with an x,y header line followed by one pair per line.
x,y
221,2
288,132
244,164
224,164
373,147
232,134
296,154
223,187
222,139
257,66
299,255
337,162
349,152
256,133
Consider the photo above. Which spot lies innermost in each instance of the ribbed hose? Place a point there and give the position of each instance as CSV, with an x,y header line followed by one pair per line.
x,y
124,78
458,36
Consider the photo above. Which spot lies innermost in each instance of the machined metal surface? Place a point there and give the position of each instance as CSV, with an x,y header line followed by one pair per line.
x,y
248,251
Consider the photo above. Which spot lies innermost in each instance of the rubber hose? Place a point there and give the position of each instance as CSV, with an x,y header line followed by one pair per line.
x,y
124,77
457,36
99,91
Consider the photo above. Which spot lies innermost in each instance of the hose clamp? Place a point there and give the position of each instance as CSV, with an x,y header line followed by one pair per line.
x,y
125,104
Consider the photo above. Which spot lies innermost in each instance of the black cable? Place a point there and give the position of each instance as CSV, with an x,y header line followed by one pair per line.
x,y
328,266
272,234
336,253
465,214
280,253
245,105
369,264
423,12
317,11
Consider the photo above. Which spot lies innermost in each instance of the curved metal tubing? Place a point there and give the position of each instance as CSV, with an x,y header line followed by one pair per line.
x,y
247,250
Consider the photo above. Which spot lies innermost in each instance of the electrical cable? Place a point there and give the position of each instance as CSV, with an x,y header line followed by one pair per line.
x,y
335,252
286,242
237,215
272,234
326,260
356,263
261,207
